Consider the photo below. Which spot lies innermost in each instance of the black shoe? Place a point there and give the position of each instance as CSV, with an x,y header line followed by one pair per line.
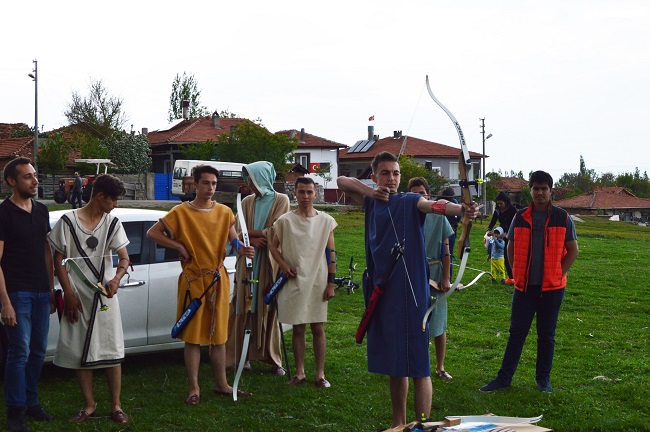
x,y
16,421
37,413
493,385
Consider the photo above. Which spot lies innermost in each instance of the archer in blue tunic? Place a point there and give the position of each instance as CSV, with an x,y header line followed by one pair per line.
x,y
397,346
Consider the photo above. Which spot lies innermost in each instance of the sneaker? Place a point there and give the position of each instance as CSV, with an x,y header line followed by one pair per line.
x,y
37,413
16,421
494,281
322,383
510,281
503,281
544,386
493,385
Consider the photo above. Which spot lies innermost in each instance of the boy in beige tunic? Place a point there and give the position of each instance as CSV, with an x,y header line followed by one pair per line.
x,y
303,247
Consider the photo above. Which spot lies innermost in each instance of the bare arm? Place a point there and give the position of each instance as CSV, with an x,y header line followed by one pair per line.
x,y
71,304
158,234
122,266
277,256
358,191
248,251
452,209
570,257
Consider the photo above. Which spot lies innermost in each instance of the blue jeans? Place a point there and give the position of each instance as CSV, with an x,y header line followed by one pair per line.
x,y
77,199
525,305
26,348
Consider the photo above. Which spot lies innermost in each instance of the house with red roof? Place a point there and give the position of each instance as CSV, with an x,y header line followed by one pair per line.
x,y
355,161
608,201
317,154
164,143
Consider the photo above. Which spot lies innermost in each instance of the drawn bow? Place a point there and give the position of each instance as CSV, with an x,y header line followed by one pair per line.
x,y
251,298
466,197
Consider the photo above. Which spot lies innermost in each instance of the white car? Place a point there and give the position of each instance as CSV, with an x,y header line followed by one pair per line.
x,y
148,300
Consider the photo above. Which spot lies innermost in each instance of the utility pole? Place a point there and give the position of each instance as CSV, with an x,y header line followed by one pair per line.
x,y
484,187
34,77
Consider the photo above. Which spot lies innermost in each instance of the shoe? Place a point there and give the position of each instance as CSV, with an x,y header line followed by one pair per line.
x,y
16,420
193,400
503,281
493,385
544,386
278,370
494,281
295,381
83,416
510,281
444,375
322,383
247,366
37,413
120,416
240,393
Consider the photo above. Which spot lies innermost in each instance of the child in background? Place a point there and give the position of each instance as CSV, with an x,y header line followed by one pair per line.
x,y
498,267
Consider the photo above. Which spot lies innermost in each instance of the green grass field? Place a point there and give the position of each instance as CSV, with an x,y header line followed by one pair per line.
x,y
602,332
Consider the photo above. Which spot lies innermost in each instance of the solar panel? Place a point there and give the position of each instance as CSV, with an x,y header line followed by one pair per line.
x,y
361,146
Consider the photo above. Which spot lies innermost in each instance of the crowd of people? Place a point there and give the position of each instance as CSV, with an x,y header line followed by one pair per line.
x,y
539,245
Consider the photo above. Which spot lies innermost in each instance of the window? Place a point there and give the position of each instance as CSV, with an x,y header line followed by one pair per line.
x,y
303,159
165,255
453,171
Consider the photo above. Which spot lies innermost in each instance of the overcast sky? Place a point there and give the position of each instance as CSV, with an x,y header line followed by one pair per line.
x,y
554,79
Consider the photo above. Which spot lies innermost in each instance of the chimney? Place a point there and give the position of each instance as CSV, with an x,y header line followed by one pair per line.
x,y
375,137
371,132
397,134
145,131
293,133
216,120
186,109
302,135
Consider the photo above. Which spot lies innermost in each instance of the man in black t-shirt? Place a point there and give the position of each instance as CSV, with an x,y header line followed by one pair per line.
x,y
26,282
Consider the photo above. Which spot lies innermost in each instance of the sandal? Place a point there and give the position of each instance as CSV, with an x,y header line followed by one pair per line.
x,y
443,375
192,400
83,416
295,381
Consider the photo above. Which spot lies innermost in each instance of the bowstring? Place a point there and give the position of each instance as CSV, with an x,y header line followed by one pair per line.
x,y
406,270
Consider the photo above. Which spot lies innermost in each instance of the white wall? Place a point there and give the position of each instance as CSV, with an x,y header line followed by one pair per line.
x,y
321,156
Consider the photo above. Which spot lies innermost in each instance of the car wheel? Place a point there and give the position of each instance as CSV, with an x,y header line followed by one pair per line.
x,y
70,197
59,197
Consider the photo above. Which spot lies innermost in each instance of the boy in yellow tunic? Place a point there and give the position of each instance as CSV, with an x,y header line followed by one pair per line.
x,y
301,240
199,230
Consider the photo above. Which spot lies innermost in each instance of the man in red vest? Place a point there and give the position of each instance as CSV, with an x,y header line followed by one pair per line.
x,y
542,247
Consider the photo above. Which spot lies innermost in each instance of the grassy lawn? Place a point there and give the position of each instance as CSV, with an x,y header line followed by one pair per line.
x,y
602,332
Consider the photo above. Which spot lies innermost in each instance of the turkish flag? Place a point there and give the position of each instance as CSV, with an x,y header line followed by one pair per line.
x,y
371,118
314,166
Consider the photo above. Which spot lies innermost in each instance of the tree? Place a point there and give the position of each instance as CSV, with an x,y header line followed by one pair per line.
x,y
323,171
53,155
250,142
206,150
409,168
635,182
185,88
491,191
99,112
130,152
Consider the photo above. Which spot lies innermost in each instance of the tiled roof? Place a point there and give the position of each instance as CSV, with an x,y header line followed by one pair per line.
x,y
414,147
311,141
509,184
6,129
12,147
194,130
604,198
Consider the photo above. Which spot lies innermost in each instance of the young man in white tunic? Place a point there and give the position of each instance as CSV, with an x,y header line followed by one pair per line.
x,y
303,247
91,335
